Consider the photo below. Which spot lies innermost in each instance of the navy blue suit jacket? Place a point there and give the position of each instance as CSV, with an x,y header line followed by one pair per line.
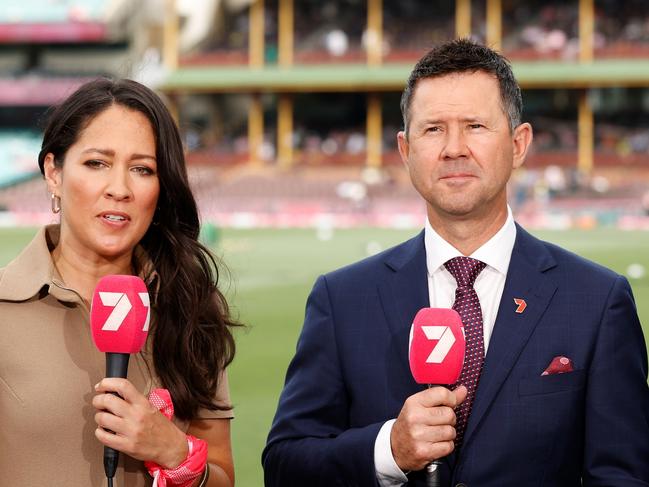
x,y
350,374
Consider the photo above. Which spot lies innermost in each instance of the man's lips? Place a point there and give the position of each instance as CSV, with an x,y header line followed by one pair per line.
x,y
459,175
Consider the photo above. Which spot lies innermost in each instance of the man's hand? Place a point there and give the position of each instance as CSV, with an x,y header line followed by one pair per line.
x,y
425,428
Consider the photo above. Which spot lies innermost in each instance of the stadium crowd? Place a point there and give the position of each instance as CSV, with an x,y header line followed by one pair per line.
x,y
549,29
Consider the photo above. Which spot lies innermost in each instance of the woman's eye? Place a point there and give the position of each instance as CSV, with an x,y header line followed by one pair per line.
x,y
143,170
94,163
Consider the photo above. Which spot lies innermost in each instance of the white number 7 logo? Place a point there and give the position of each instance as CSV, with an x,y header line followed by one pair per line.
x,y
444,345
144,297
121,307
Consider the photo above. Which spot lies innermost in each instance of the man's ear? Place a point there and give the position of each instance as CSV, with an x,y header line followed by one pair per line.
x,y
404,147
522,141
52,175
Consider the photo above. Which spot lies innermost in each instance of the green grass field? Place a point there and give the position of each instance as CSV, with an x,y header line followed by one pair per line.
x,y
272,273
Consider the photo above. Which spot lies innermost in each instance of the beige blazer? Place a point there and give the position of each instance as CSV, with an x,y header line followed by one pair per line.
x,y
48,367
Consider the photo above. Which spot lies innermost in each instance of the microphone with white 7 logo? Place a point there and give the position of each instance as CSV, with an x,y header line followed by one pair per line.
x,y
436,356
119,318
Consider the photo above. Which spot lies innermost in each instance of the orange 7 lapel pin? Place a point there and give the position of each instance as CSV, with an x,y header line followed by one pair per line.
x,y
521,305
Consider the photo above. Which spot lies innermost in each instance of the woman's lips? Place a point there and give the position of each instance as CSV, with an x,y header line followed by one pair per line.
x,y
115,218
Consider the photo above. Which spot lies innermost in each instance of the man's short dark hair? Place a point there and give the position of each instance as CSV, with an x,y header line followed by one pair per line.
x,y
461,56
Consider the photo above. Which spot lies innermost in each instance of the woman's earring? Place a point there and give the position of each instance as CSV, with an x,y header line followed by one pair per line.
x,y
156,217
56,203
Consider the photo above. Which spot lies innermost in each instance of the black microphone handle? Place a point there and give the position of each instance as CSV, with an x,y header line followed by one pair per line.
x,y
432,474
116,366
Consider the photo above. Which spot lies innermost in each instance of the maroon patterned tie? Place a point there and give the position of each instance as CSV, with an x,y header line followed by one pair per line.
x,y
465,270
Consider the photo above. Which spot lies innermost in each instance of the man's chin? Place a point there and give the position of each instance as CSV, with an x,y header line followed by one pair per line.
x,y
459,209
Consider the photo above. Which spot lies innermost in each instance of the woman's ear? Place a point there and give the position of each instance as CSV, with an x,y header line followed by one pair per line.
x,y
52,175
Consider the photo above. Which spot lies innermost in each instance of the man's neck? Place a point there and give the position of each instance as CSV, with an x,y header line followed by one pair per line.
x,y
467,234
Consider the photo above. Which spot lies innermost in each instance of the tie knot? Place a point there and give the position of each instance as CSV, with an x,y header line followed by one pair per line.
x,y
465,270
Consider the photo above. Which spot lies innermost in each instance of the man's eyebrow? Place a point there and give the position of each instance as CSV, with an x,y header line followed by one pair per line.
x,y
433,121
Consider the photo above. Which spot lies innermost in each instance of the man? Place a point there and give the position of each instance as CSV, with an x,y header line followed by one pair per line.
x,y
555,376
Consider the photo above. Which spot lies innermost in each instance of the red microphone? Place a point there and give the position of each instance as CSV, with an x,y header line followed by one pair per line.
x,y
120,313
436,355
437,346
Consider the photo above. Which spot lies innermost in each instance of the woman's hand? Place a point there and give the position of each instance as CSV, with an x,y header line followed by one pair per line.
x,y
139,429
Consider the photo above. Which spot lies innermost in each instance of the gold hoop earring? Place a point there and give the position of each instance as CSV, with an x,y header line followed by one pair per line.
x,y
56,204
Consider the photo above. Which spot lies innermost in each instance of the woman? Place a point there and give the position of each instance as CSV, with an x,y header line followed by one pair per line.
x,y
113,161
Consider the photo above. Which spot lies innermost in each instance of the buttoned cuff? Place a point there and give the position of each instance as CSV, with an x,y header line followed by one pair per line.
x,y
388,472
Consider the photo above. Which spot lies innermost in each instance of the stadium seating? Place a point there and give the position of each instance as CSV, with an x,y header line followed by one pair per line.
x,y
18,158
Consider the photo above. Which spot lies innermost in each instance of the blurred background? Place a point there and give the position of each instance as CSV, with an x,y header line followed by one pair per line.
x,y
289,111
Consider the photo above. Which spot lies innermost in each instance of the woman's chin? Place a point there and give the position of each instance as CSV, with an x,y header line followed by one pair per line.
x,y
114,249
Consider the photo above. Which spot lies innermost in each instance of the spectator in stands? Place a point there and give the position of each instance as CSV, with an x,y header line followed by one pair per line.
x,y
326,33
113,161
548,28
622,27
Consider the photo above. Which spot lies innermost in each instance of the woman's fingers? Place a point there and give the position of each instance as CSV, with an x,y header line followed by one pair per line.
x,y
112,440
133,426
124,388
110,422
111,403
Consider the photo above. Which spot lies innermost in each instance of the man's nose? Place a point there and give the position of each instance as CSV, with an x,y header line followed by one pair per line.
x,y
455,144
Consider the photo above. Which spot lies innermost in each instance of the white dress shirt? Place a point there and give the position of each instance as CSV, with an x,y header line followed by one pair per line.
x,y
489,285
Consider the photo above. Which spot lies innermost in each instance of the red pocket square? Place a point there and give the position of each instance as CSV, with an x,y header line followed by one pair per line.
x,y
559,365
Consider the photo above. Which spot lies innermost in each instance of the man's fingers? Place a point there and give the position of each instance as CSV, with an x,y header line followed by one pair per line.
x,y
439,415
414,446
435,434
460,394
443,449
425,428
436,396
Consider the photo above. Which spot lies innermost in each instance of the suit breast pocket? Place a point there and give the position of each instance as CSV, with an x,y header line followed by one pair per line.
x,y
552,384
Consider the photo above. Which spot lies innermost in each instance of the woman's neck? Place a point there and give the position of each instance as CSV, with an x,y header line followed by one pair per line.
x,y
82,272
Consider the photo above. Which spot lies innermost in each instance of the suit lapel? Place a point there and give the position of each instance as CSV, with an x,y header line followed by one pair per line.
x,y
404,292
525,279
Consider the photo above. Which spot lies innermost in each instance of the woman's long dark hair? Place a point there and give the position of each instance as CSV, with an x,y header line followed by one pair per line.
x,y
191,336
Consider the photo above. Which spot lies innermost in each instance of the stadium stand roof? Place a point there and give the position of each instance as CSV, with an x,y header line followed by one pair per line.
x,y
37,91
56,22
42,32
34,11
390,77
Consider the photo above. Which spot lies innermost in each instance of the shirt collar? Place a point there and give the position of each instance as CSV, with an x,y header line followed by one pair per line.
x,y
496,252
